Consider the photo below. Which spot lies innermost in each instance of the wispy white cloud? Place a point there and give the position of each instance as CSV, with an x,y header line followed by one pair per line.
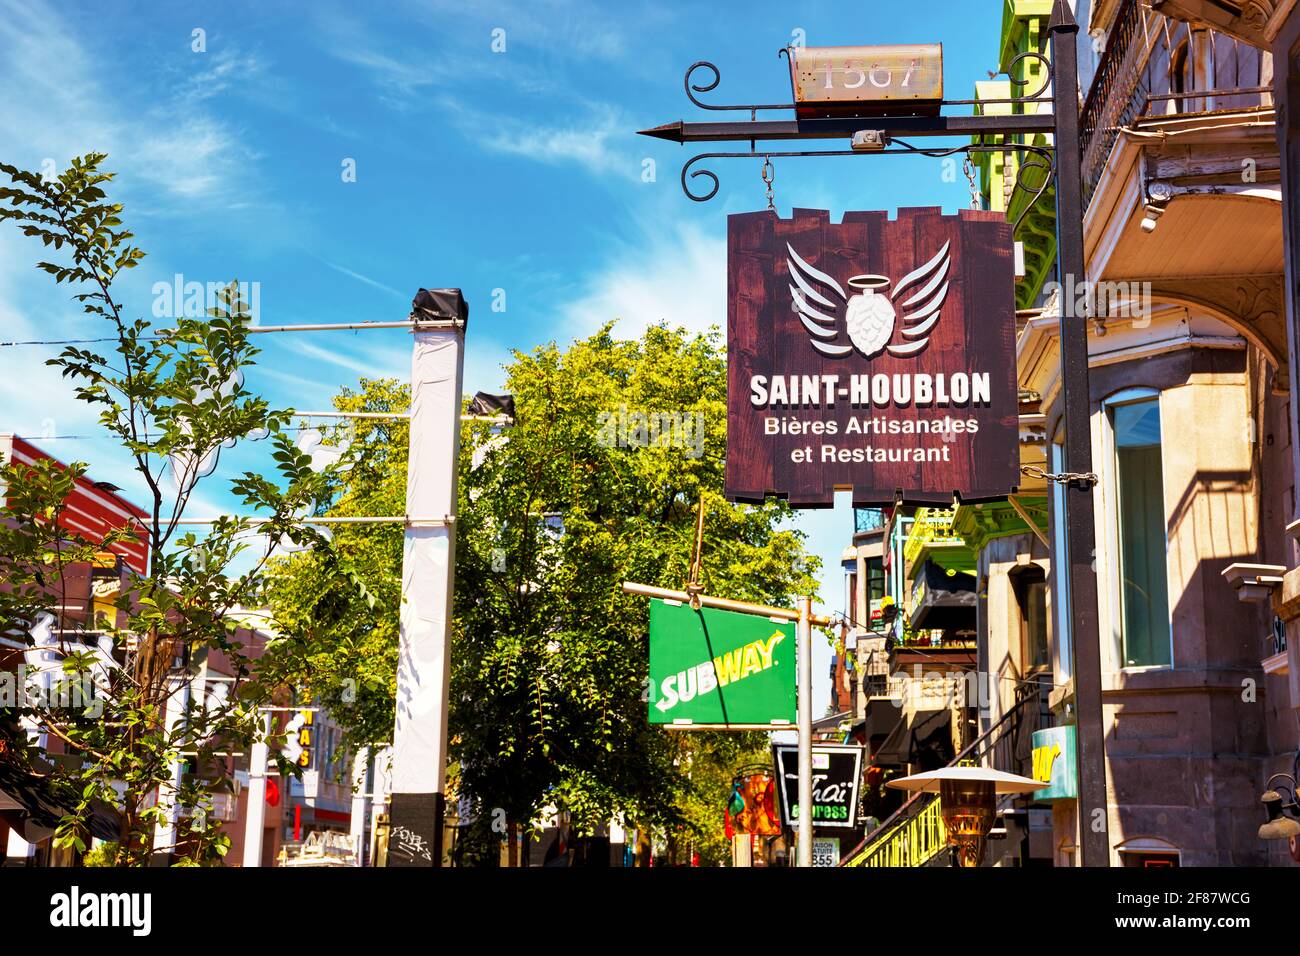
x,y
59,104
678,276
367,363
365,279
222,69
588,143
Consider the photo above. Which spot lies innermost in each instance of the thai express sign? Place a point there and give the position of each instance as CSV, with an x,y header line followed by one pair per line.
x,y
875,355
717,667
837,776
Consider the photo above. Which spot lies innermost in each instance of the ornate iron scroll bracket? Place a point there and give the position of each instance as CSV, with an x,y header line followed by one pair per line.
x,y
1038,96
1043,162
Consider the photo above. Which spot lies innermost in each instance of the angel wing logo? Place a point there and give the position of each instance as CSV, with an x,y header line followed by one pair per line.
x,y
870,316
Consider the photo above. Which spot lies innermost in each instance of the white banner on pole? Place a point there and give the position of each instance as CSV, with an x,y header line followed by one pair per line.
x,y
428,564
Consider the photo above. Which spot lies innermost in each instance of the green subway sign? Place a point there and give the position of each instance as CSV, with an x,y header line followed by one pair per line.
x,y
719,667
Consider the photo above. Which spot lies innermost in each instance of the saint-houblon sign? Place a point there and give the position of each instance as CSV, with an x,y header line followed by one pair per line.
x,y
876,355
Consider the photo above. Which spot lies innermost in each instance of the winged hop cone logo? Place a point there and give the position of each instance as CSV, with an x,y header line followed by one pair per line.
x,y
870,317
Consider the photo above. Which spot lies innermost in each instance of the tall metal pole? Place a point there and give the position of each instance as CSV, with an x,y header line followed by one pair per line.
x,y
255,805
1080,522
360,771
805,855
428,576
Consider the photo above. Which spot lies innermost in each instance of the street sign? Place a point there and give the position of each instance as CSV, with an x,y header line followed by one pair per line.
x,y
826,852
867,80
875,355
837,775
719,668
1055,763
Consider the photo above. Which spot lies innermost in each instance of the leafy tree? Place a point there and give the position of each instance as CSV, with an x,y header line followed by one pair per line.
x,y
549,656
172,397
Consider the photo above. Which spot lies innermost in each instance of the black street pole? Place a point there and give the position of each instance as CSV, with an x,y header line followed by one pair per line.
x,y
1080,521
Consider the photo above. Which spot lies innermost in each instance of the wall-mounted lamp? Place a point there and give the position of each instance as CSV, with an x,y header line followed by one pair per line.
x,y
1158,196
1281,810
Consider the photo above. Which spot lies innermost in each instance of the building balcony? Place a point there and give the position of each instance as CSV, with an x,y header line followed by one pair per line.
x,y
930,652
1182,177
932,537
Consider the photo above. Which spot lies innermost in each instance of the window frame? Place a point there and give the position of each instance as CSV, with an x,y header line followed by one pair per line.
x,y
1113,549
1062,635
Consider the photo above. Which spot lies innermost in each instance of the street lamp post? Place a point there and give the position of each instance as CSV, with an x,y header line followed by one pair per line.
x,y
885,135
805,853
428,577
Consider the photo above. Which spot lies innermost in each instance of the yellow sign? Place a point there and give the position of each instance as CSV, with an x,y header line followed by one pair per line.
x,y
1044,760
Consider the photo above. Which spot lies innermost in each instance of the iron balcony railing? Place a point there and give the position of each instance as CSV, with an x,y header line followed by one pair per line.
x,y
1152,61
930,525
914,835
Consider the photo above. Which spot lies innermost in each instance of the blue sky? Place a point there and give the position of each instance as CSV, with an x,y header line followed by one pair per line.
x,y
517,170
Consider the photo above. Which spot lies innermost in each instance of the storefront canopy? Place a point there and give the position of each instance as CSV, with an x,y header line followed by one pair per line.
x,y
925,739
943,600
30,805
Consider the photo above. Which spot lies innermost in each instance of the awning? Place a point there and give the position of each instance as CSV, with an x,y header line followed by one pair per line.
x,y
883,716
941,600
832,721
922,740
29,804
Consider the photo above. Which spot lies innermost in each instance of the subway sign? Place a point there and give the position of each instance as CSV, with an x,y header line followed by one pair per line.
x,y
719,668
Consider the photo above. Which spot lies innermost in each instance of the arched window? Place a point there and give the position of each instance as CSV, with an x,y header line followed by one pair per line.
x,y
1182,76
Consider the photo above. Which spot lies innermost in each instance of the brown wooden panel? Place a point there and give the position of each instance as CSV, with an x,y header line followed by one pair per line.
x,y
973,337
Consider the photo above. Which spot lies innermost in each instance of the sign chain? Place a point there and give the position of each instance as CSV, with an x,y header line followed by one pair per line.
x,y
1080,479
768,172
969,169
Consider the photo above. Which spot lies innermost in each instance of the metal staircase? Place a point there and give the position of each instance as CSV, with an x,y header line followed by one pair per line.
x,y
914,835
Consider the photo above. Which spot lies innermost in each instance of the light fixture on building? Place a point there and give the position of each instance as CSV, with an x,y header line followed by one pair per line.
x,y
1158,196
967,803
1283,813
870,141
1152,217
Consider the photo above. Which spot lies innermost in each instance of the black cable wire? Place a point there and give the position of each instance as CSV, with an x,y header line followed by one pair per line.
x,y
67,341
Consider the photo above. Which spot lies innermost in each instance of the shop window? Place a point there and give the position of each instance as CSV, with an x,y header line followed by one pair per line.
x,y
1140,526
1031,594
1060,568
854,618
875,568
1149,853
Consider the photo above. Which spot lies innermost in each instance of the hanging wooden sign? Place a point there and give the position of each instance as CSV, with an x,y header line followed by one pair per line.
x,y
875,355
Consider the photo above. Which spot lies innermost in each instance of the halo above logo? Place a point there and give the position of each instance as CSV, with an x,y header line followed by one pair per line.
x,y
870,317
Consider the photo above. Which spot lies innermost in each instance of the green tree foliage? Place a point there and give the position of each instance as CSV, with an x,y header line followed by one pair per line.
x,y
172,397
337,647
549,660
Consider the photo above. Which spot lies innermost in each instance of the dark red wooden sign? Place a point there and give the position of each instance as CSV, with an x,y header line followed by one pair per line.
x,y
875,355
